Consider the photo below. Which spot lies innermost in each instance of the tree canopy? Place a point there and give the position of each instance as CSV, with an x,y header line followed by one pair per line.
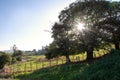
x,y
102,22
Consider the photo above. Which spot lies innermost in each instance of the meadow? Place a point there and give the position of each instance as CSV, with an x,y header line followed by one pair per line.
x,y
30,64
106,68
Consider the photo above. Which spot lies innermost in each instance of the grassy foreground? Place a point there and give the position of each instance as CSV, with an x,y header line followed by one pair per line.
x,y
107,68
33,63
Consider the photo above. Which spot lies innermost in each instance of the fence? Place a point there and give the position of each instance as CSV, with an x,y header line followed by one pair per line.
x,y
12,71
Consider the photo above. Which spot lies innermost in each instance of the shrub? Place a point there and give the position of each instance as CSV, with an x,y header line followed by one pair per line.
x,y
14,60
19,58
5,59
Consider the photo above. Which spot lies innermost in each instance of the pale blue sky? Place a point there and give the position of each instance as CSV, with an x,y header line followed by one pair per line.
x,y
22,22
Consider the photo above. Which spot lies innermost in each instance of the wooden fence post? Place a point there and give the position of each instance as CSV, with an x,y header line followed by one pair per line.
x,y
18,68
31,66
25,67
36,66
10,69
13,71
103,52
57,61
62,61
78,58
42,64
73,58
94,54
50,63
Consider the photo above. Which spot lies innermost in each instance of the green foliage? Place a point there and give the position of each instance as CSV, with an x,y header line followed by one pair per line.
x,y
19,58
105,69
5,59
108,68
17,53
111,25
64,42
1,53
51,51
89,39
14,60
102,23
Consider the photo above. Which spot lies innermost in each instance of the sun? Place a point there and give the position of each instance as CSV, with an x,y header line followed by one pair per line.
x,y
80,26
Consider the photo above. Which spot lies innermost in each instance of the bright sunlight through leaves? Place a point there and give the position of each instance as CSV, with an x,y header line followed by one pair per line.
x,y
80,26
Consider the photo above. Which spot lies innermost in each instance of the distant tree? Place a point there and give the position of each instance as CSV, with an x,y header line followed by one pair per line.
x,y
14,60
14,48
51,51
34,51
17,54
28,53
41,51
19,58
5,59
1,53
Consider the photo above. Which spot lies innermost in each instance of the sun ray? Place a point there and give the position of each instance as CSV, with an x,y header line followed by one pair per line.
x,y
80,26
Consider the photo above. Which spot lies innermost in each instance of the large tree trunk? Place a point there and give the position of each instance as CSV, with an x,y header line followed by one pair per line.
x,y
116,44
67,58
90,53
115,41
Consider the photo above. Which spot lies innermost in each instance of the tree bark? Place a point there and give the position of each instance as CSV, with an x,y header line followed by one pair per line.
x,y
116,44
115,41
90,53
67,58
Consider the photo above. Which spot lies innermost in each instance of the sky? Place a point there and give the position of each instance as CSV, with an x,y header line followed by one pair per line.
x,y
24,22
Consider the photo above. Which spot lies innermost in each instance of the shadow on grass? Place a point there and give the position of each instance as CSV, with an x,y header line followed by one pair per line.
x,y
60,72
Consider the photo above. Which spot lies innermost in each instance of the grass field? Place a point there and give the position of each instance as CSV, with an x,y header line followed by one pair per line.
x,y
106,68
33,63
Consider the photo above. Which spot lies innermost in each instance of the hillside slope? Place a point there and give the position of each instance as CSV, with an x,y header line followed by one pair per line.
x,y
107,68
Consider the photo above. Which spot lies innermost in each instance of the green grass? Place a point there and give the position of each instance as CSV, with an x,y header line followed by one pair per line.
x,y
65,72
107,68
37,62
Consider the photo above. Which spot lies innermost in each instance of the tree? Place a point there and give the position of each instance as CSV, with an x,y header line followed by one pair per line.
x,y
5,59
63,44
111,24
34,51
93,13
14,48
86,12
51,51
19,58
17,54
